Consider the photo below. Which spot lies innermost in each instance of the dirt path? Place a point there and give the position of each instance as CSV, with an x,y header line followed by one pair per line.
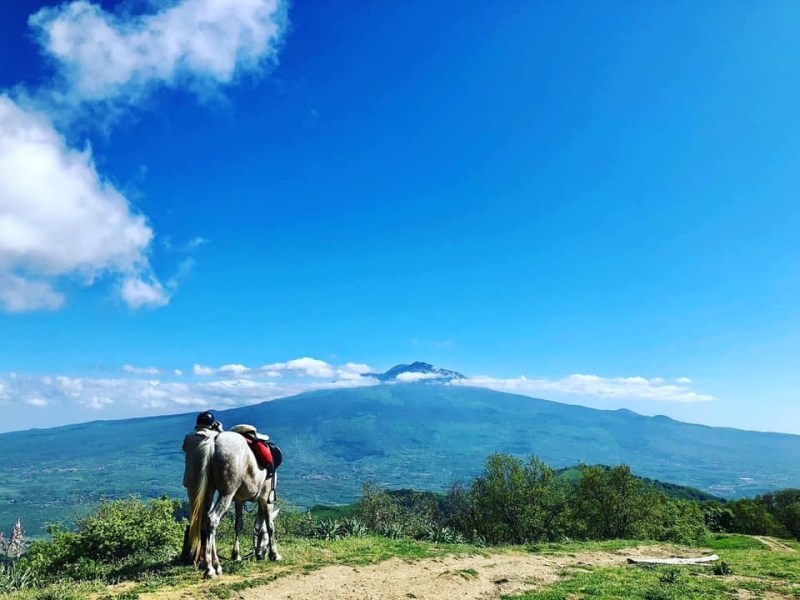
x,y
453,577
774,544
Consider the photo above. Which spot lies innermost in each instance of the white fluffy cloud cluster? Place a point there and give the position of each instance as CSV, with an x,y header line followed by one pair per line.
x,y
299,367
147,388
594,386
62,222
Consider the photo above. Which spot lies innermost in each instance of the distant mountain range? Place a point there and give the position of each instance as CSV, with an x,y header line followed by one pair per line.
x,y
401,436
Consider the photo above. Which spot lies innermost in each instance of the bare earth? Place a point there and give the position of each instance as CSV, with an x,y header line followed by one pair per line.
x,y
774,543
453,577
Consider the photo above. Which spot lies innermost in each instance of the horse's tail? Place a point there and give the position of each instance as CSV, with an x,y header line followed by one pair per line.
x,y
202,456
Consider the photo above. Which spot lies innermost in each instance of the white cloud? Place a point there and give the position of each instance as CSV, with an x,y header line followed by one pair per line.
x,y
138,293
195,44
37,402
234,369
683,380
141,370
309,367
196,243
592,385
95,402
299,367
178,372
412,377
18,294
59,218
353,371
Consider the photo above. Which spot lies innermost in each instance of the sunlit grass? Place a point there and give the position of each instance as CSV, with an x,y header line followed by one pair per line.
x,y
753,566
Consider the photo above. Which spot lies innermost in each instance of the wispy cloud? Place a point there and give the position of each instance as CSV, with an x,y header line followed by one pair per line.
x,y
196,243
594,386
141,370
444,344
37,402
191,44
299,367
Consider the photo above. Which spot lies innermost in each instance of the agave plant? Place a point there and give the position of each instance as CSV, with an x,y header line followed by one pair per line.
x,y
442,535
12,578
392,530
350,526
328,529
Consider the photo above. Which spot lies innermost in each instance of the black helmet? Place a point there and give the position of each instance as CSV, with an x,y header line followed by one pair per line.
x,y
205,418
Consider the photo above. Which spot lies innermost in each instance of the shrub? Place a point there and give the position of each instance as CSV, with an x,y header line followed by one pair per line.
x,y
121,536
399,513
512,502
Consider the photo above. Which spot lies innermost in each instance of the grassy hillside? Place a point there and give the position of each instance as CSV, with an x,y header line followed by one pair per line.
x,y
400,436
361,567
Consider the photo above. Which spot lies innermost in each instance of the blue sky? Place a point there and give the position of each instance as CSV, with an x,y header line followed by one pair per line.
x,y
599,199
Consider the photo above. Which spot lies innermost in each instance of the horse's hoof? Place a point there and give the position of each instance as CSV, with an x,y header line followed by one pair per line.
x,y
276,557
210,574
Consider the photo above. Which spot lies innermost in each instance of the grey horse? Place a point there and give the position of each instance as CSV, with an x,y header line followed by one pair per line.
x,y
224,464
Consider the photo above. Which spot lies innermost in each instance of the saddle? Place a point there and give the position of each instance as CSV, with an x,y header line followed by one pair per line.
x,y
267,453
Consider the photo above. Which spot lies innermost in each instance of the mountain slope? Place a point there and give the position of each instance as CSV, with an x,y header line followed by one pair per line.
x,y
412,436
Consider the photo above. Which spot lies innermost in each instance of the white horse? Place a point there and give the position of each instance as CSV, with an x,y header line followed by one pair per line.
x,y
225,464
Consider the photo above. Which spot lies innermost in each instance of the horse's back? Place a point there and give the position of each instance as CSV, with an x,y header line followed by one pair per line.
x,y
234,468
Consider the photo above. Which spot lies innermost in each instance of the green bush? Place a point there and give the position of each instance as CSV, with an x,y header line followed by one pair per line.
x,y
118,537
612,503
512,502
402,513
292,523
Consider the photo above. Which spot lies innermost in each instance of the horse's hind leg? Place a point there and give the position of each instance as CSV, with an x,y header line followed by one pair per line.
x,y
238,529
213,566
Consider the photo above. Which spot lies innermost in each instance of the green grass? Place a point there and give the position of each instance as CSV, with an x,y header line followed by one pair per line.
x,y
753,567
322,511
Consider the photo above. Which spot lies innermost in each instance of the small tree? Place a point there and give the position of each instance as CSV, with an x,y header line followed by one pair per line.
x,y
511,502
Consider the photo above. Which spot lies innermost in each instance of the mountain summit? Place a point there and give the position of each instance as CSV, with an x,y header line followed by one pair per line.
x,y
416,372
